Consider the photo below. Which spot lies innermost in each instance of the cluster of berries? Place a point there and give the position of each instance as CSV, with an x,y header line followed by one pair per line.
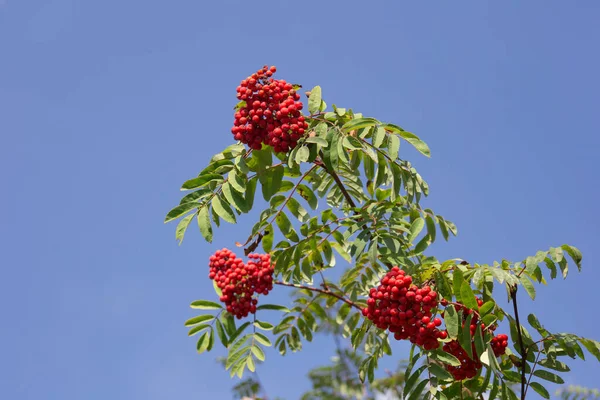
x,y
405,310
239,281
469,366
271,114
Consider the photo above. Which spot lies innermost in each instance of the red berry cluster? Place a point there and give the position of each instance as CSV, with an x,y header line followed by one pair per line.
x,y
271,114
405,309
468,367
499,344
239,282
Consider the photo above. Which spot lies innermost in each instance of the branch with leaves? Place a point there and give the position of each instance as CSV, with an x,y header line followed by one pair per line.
x,y
343,199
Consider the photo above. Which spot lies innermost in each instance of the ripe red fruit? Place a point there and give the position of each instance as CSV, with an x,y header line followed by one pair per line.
x,y
279,117
239,282
401,308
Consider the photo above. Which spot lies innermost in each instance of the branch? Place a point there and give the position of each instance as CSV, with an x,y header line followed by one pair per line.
x,y
513,295
323,291
338,182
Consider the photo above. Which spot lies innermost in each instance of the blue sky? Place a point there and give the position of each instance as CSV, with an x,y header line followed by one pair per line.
x,y
107,107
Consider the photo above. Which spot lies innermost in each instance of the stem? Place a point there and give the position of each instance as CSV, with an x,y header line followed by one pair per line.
x,y
338,182
323,291
513,295
537,358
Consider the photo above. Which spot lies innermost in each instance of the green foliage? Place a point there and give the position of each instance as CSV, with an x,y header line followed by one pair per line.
x,y
344,198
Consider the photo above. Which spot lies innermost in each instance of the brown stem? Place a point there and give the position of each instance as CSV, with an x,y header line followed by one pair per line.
x,y
338,182
513,295
323,291
537,358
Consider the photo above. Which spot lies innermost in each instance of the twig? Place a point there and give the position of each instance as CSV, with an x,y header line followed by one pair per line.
x,y
513,295
323,291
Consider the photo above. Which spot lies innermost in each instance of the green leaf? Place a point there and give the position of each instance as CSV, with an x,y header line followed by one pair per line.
x,y
467,296
205,225
457,281
446,358
204,342
415,228
250,191
283,222
200,181
528,285
486,307
410,138
318,140
234,198
198,320
274,307
394,146
418,391
206,305
262,339
359,123
314,100
297,210
182,227
465,336
303,154
258,353
221,333
378,136
412,379
540,390
308,195
431,231
180,210
549,376
271,181
263,325
574,253
555,365
267,240
223,210
592,346
452,322
198,328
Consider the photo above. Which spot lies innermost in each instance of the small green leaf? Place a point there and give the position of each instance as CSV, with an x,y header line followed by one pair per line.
x,y
314,100
223,210
359,123
263,325
540,390
201,181
378,136
205,225
394,146
549,376
528,285
446,358
180,210
410,138
467,296
274,307
415,228
451,321
303,154
262,339
486,307
182,227
221,333
198,320
204,342
205,305
258,353
267,240
271,181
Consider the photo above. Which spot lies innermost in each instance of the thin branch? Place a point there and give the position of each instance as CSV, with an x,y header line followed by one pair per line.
x,y
323,291
513,295
537,358
338,182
